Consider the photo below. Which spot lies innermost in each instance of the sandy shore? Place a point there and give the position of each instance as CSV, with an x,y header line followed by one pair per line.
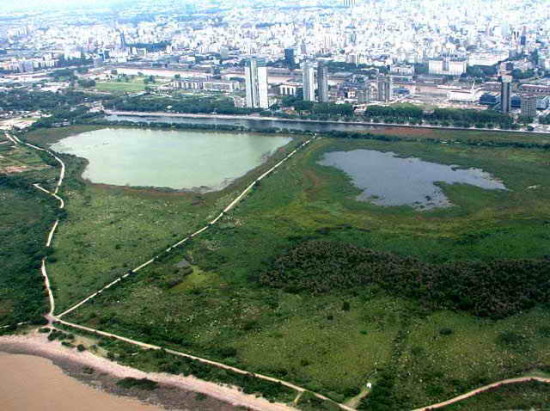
x,y
174,392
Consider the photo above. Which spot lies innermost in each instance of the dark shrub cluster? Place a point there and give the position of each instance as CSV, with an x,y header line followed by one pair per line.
x,y
489,289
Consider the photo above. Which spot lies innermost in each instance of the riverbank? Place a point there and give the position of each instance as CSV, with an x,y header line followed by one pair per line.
x,y
366,124
36,383
173,392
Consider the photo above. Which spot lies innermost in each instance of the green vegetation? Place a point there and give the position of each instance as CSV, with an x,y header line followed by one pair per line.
x,y
261,293
27,216
61,108
525,396
442,116
18,158
60,335
470,137
317,110
162,361
86,83
496,289
125,85
140,384
21,99
336,341
182,104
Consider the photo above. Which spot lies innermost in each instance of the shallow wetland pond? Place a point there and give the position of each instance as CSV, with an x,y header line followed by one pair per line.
x,y
181,160
389,180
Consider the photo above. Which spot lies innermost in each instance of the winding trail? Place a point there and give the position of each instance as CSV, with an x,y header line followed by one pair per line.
x,y
483,389
147,346
15,140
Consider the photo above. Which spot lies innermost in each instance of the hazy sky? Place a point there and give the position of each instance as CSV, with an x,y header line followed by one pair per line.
x,y
29,4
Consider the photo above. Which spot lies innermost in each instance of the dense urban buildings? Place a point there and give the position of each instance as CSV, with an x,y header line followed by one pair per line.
x,y
358,52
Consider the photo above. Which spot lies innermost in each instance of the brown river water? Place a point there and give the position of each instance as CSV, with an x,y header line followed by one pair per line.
x,y
29,383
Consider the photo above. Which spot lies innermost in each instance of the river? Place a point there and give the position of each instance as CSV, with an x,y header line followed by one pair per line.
x,y
29,383
251,123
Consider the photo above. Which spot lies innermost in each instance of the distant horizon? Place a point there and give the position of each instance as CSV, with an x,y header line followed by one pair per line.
x,y
16,5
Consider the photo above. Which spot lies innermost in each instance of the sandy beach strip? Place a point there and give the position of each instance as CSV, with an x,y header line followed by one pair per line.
x,y
37,344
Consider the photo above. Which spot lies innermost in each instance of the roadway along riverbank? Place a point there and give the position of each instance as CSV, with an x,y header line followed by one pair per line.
x,y
306,121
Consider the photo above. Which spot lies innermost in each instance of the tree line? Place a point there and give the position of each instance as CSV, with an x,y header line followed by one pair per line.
x,y
24,224
444,116
24,100
493,289
203,105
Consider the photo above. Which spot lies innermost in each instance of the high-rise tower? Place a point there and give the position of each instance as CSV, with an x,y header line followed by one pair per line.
x,y
385,88
529,106
256,84
308,76
506,94
289,58
322,83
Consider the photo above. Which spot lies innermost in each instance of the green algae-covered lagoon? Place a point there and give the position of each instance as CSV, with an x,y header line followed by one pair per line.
x,y
180,160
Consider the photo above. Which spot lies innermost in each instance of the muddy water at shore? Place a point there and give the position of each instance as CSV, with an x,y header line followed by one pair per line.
x,y
30,383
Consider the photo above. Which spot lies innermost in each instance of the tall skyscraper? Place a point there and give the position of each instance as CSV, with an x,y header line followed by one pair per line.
x,y
322,83
529,106
523,38
364,94
385,88
289,58
308,76
506,94
256,84
122,40
303,48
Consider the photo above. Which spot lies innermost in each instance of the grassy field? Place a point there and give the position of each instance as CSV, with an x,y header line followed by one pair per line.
x,y
25,218
526,396
14,159
133,85
461,135
337,343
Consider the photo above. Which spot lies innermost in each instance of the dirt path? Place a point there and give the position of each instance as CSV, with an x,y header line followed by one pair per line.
x,y
482,390
49,240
